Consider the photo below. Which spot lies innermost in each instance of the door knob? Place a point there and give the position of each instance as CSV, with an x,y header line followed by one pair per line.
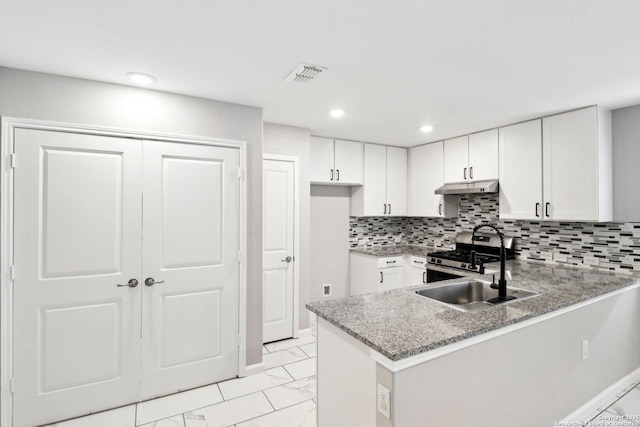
x,y
149,281
131,283
287,259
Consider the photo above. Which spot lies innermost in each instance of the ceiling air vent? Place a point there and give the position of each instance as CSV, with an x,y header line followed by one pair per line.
x,y
304,74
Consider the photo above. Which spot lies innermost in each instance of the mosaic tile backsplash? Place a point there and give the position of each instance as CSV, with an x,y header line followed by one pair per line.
x,y
608,246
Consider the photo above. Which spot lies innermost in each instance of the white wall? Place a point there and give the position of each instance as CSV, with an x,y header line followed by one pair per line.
x,y
292,141
625,124
329,240
25,94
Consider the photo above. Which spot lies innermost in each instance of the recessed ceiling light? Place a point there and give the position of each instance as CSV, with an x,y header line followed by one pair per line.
x,y
337,113
426,129
141,78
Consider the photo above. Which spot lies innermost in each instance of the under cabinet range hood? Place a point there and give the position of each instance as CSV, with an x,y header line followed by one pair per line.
x,y
485,186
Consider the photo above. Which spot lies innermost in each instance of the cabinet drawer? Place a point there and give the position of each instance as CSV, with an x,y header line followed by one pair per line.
x,y
417,261
390,261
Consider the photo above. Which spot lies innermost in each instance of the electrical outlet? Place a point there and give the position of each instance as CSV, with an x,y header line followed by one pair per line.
x,y
326,290
384,403
585,349
548,255
590,259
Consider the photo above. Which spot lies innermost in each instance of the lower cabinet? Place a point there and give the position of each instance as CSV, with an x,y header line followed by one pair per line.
x,y
373,274
415,270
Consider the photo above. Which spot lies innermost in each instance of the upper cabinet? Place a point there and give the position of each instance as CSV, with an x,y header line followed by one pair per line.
x,y
557,168
471,157
426,173
336,161
521,170
384,191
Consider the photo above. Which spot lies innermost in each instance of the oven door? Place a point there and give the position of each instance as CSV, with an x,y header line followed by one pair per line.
x,y
437,275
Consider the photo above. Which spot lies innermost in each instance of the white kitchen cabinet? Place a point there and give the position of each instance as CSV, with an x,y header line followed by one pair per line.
x,y
336,162
483,155
384,191
415,270
520,169
373,274
426,174
577,166
456,159
471,157
558,168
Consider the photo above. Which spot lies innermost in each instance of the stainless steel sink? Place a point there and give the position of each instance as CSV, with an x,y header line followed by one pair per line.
x,y
471,295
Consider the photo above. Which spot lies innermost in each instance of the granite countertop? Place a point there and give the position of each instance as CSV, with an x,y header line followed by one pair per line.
x,y
399,324
391,250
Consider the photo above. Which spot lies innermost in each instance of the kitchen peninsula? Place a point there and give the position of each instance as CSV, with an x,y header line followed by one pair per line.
x,y
410,361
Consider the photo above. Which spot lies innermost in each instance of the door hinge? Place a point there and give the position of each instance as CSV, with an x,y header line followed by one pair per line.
x,y
11,385
12,272
12,160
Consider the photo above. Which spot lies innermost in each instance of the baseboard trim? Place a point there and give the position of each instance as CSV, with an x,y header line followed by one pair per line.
x,y
603,399
254,369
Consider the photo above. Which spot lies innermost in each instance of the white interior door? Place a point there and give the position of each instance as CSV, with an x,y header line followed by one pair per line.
x,y
77,234
191,251
278,250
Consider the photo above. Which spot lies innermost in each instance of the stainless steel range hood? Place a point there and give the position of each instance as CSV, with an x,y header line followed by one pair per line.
x,y
486,186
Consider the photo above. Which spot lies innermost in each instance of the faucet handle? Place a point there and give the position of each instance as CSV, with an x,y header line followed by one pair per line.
x,y
480,267
473,259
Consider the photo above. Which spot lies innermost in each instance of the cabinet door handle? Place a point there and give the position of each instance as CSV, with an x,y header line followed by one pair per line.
x,y
440,209
381,277
337,174
389,208
331,179
537,207
546,209
391,262
471,172
465,174
385,209
424,277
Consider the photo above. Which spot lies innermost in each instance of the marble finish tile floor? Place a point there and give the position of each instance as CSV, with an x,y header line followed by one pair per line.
x,y
284,395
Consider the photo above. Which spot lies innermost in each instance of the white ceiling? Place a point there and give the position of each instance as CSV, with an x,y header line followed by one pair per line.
x,y
459,65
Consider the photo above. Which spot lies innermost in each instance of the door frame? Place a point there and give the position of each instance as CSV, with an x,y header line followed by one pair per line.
x,y
296,233
7,127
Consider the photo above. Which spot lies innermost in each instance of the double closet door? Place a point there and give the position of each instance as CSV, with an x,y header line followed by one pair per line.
x,y
126,271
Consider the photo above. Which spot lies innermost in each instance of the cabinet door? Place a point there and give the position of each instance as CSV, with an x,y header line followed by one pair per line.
x,y
570,165
390,278
456,159
417,276
520,171
321,161
348,162
397,181
425,176
374,188
483,155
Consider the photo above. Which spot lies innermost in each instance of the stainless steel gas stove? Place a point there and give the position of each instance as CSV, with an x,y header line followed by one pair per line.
x,y
467,256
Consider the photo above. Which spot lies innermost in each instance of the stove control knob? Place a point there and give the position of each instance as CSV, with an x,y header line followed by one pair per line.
x,y
463,266
433,260
439,261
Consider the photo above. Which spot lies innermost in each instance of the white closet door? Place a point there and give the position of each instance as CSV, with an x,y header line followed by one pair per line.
x,y
191,250
277,243
77,230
